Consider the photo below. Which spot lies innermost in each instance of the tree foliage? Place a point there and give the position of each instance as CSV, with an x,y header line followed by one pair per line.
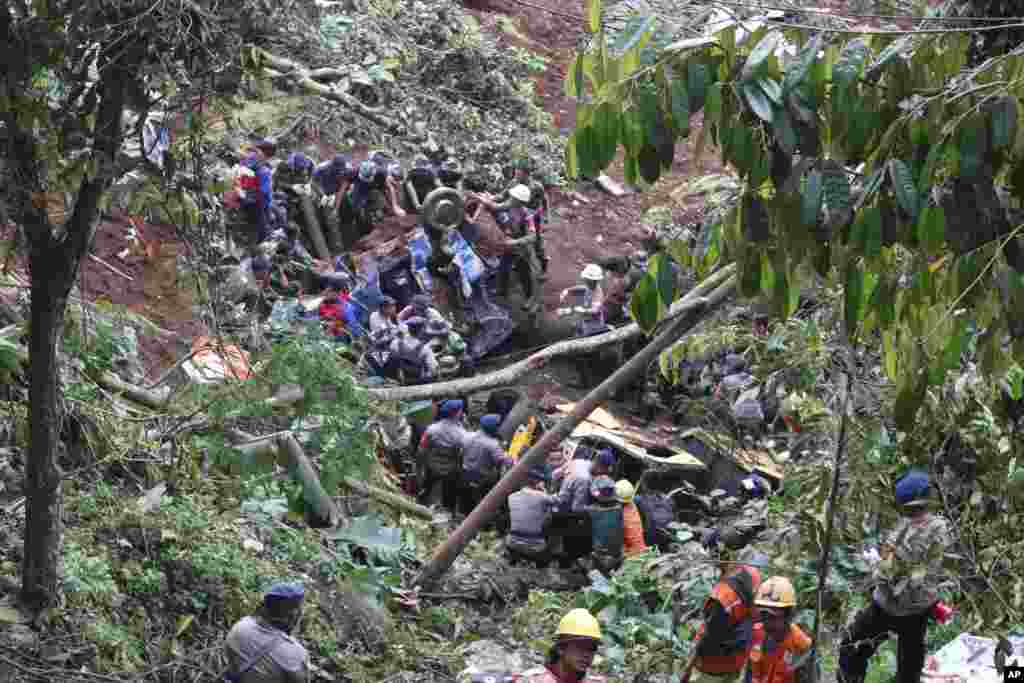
x,y
880,164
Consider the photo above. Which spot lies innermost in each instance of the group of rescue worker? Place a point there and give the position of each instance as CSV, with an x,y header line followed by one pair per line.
x,y
747,632
402,347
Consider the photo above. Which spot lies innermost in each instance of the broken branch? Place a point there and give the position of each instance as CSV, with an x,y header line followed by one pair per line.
x,y
304,80
512,373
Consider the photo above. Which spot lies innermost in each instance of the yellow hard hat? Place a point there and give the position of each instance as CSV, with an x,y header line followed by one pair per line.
x,y
776,592
579,623
624,491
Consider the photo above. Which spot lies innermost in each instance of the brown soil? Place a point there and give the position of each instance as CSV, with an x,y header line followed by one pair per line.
x,y
603,226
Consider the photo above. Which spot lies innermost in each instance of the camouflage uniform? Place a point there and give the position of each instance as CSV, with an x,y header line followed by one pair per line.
x,y
907,579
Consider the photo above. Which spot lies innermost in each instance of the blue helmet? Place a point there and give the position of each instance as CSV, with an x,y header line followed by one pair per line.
x,y
285,591
912,488
490,423
605,457
450,408
297,161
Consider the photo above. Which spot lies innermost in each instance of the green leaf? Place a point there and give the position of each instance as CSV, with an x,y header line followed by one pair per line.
x,y
771,88
931,229
758,101
811,200
696,84
1004,122
633,132
954,346
784,132
713,104
885,301
908,400
606,127
649,162
760,54
851,61
574,79
854,298
798,68
904,187
665,278
641,27
572,167
680,108
593,15
644,303
630,170
872,217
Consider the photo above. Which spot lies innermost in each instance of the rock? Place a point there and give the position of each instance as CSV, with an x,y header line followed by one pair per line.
x,y
657,217
488,656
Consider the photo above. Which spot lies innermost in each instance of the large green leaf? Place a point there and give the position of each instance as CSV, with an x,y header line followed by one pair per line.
x,y
665,278
854,298
931,229
771,88
785,133
644,303
798,68
587,151
650,114
1004,122
908,400
758,101
811,200
606,124
572,166
904,187
697,81
713,104
680,108
760,54
633,132
593,8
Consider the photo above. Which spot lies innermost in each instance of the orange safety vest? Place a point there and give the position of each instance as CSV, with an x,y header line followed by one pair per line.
x,y
741,618
777,666
632,530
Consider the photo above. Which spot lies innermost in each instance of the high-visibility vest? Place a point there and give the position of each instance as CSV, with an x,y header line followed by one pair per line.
x,y
777,666
741,621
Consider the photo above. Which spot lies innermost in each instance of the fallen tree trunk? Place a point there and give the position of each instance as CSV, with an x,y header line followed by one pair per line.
x,y
302,77
387,498
692,313
312,225
512,373
285,450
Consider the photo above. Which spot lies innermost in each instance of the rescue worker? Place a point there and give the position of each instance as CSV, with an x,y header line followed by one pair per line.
x,y
530,509
421,180
482,460
606,525
779,651
592,277
415,360
420,307
258,201
907,573
632,524
512,217
448,345
335,177
572,524
273,283
577,639
537,205
725,635
260,648
379,358
386,317
440,455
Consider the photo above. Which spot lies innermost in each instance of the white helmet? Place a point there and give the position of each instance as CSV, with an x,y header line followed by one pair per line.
x,y
520,192
592,272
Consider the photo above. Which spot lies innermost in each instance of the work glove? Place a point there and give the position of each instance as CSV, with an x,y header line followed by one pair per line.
x,y
327,201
